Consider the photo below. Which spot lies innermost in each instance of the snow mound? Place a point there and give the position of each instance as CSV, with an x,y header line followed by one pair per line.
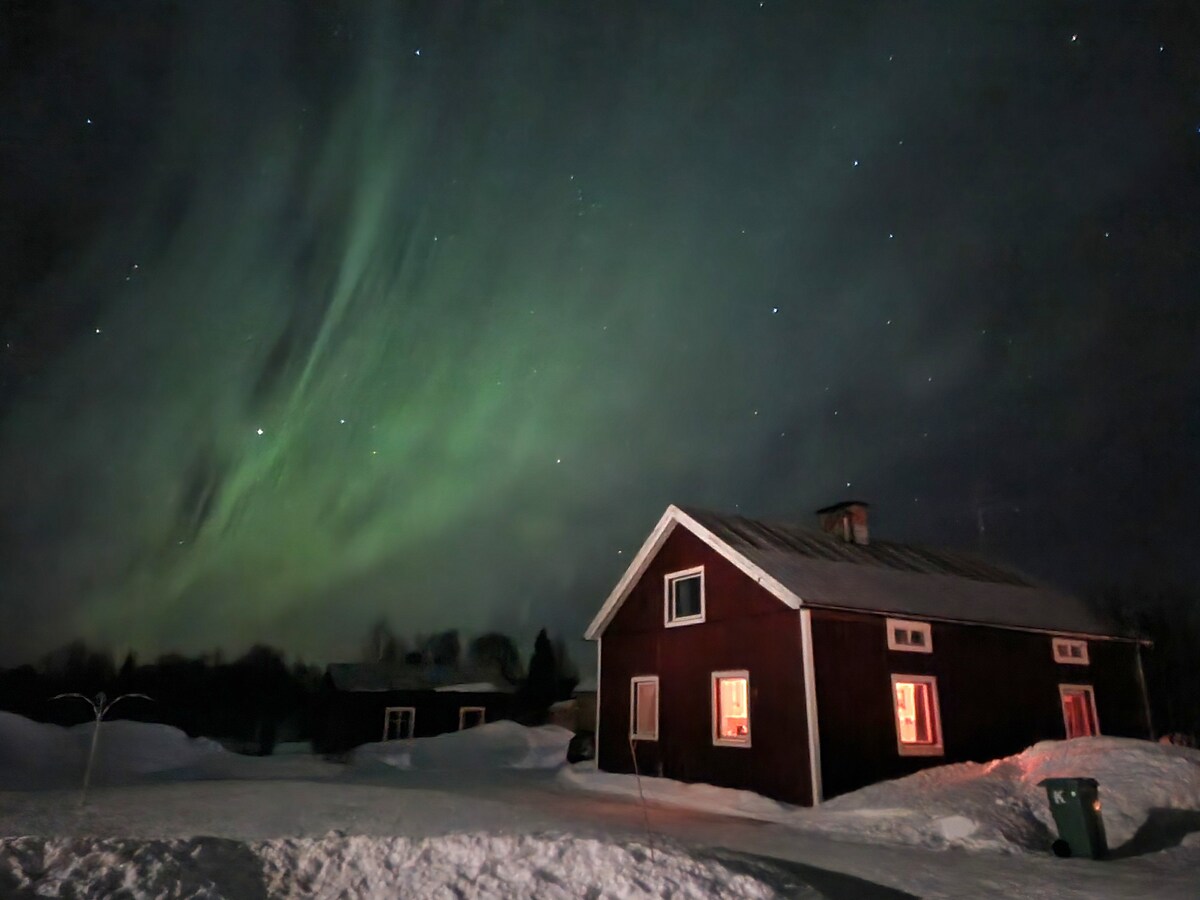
x,y
496,745
35,755
452,866
1146,791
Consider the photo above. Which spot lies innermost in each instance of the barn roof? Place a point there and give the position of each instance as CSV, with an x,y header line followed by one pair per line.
x,y
804,567
375,677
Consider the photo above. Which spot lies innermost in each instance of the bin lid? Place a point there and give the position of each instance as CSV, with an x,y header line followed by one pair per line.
x,y
1068,781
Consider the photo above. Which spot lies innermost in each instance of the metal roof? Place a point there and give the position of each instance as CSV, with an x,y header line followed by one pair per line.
x,y
374,677
806,567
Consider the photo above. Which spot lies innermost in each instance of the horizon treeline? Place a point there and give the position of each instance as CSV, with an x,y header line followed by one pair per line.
x,y
260,698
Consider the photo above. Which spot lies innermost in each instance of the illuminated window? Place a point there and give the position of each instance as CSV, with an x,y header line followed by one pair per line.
x,y
918,721
684,597
643,708
731,709
470,716
1071,652
913,637
398,722
1079,710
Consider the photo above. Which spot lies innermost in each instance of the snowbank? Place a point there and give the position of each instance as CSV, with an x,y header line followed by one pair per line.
x,y
457,865
36,755
496,745
992,806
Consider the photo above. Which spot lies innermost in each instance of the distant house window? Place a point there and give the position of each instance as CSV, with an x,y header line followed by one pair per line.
x,y
913,637
643,708
731,708
470,716
918,719
398,722
1079,710
684,597
1071,652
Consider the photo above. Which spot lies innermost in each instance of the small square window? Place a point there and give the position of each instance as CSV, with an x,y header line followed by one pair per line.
x,y
1070,652
643,708
470,716
398,722
731,709
918,719
684,597
911,637
1079,710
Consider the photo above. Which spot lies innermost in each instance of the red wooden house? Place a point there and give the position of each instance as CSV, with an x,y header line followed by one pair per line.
x,y
802,663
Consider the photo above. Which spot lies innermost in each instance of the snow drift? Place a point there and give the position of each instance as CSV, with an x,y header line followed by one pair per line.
x,y
457,865
34,755
496,745
992,806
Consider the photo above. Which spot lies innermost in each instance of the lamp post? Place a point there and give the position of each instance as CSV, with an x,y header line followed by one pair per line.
x,y
100,706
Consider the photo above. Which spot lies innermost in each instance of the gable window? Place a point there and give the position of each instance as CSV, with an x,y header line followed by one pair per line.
x,y
684,597
731,708
643,708
398,722
1079,710
470,716
918,719
1071,652
913,637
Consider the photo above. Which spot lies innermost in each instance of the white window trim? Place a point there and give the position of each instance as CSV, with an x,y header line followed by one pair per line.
x,y
1088,689
668,579
1061,647
717,740
462,714
633,685
939,747
925,628
412,721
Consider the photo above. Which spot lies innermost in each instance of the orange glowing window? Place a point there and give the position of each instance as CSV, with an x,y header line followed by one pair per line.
x,y
1079,710
731,708
918,723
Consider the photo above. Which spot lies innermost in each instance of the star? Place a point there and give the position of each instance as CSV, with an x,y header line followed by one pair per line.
x,y
259,431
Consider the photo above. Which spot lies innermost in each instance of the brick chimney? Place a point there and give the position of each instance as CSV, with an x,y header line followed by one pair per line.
x,y
847,520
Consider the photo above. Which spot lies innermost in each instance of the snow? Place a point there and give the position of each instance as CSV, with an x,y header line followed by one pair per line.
x,y
493,811
997,806
495,745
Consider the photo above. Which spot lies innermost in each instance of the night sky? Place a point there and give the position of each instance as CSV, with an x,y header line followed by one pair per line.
x,y
317,311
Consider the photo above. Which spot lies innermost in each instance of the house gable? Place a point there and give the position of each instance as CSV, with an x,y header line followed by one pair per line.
x,y
672,520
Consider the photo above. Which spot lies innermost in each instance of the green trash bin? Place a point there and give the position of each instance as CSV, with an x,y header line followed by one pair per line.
x,y
1075,803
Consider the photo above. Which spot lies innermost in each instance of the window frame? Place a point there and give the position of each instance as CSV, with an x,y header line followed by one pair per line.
x,y
925,628
462,713
938,747
633,686
1090,691
1061,646
412,721
670,621
714,691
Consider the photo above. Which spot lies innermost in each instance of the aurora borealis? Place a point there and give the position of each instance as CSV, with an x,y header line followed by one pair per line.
x,y
321,311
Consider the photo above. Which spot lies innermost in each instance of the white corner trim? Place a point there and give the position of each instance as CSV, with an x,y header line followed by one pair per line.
x,y
596,733
666,524
810,706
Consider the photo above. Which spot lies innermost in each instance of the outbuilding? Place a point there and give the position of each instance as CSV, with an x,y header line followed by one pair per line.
x,y
805,663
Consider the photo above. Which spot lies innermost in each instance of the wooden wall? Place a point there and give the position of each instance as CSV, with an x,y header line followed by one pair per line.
x,y
997,689
745,628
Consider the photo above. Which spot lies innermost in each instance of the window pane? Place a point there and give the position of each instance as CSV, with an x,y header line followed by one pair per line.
x,y
645,706
687,596
733,709
914,713
1077,714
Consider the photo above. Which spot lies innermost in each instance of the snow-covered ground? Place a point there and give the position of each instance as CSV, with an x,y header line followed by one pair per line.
x,y
492,812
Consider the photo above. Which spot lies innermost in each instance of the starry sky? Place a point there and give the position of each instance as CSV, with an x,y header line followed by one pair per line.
x,y
317,311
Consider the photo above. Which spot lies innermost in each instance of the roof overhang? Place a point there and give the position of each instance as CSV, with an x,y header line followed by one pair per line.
x,y
671,519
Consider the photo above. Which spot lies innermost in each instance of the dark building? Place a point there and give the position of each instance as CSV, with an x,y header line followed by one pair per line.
x,y
802,664
361,703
